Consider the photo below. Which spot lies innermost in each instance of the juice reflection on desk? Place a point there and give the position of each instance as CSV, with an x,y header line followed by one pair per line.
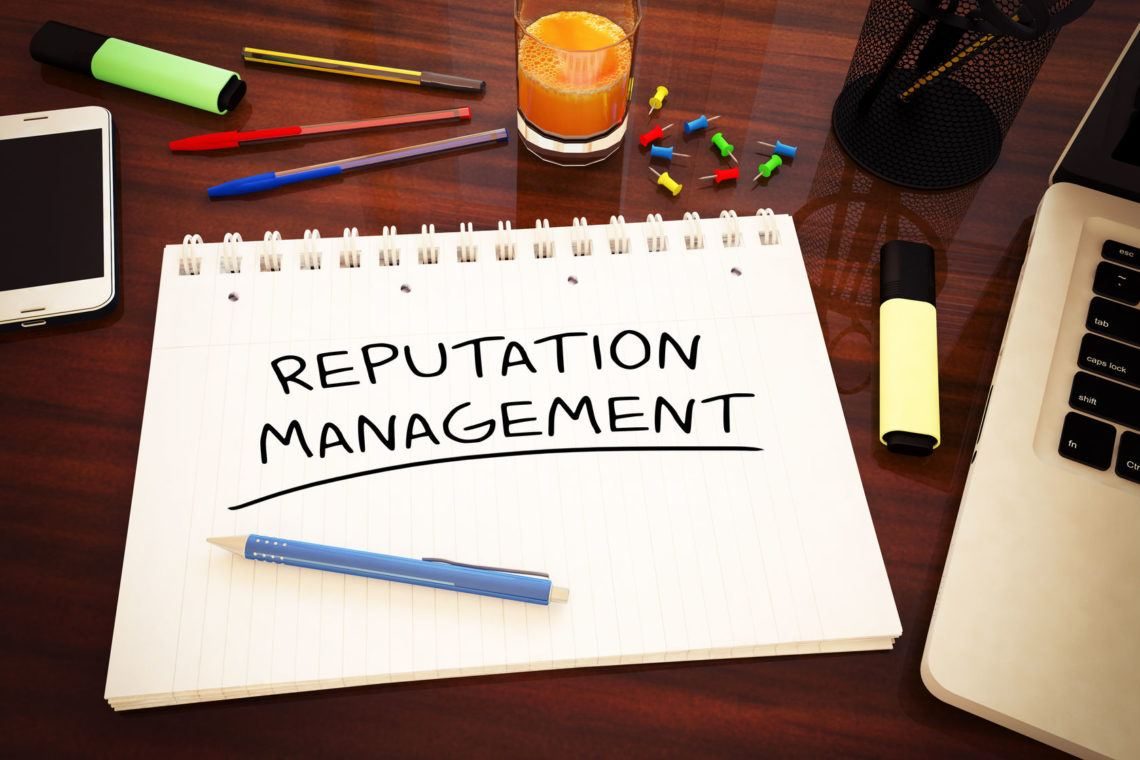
x,y
574,72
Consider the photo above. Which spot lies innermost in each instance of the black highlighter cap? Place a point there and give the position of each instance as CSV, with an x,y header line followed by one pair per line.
x,y
68,47
231,94
911,444
906,270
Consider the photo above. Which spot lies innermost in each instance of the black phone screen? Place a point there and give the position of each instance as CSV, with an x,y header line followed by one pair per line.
x,y
52,211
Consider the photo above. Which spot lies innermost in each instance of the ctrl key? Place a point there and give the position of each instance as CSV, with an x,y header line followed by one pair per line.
x,y
1128,459
1087,441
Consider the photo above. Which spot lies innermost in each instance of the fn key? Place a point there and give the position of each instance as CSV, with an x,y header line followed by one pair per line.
x,y
1087,441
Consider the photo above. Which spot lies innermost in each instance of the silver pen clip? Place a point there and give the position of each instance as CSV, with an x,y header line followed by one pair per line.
x,y
487,567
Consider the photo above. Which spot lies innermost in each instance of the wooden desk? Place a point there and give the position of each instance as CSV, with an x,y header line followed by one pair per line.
x,y
71,399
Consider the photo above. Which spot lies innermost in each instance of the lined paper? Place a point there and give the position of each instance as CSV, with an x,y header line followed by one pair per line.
x,y
668,555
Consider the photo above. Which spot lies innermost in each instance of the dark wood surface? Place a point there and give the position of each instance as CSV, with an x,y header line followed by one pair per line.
x,y
71,399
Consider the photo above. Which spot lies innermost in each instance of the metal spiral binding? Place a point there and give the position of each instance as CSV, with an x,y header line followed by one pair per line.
x,y
769,232
694,236
427,252
655,238
730,236
350,249
467,252
229,262
543,242
505,248
617,235
270,256
389,251
190,261
580,243
310,255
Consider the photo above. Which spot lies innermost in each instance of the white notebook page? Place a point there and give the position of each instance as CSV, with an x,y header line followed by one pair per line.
x,y
668,555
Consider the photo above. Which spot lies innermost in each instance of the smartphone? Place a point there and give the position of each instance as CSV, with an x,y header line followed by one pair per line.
x,y
57,217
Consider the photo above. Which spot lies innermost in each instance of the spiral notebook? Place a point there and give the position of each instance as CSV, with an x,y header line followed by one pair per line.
x,y
645,411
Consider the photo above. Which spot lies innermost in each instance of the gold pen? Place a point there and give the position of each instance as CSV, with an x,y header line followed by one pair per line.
x,y
366,70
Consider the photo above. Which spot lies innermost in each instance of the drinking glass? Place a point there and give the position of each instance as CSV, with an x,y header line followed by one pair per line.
x,y
575,77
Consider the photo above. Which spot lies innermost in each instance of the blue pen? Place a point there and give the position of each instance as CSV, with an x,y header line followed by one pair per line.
x,y
519,585
271,180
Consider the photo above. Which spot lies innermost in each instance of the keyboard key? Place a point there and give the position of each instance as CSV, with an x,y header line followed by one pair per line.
x,y
1111,359
1114,320
1106,399
1128,458
1087,441
1117,282
1125,254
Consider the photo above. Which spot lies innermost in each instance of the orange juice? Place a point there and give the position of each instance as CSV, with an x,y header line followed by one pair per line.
x,y
574,73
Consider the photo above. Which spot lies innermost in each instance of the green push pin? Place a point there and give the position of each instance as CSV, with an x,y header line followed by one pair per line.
x,y
724,146
765,169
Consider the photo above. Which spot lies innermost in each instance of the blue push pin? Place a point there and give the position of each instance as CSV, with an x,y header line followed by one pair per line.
x,y
779,149
699,123
665,152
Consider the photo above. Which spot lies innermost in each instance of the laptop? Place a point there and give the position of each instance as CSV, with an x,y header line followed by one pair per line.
x,y
1037,623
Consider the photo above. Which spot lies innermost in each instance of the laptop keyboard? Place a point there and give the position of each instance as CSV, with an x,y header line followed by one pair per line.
x,y
1107,389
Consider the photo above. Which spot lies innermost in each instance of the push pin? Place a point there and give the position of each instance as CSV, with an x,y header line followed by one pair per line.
x,y
724,175
779,149
667,182
724,146
658,98
765,169
665,152
654,134
701,122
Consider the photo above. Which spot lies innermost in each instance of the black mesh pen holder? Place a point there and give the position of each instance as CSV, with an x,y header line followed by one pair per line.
x,y
935,84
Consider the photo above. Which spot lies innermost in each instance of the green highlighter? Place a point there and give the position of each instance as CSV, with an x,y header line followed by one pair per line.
x,y
139,68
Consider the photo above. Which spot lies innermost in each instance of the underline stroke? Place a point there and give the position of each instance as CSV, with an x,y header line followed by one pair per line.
x,y
488,455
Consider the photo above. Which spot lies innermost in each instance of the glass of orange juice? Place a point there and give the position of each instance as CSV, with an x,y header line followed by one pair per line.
x,y
575,77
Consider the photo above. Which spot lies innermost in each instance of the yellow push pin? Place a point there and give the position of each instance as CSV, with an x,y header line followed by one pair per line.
x,y
667,182
658,98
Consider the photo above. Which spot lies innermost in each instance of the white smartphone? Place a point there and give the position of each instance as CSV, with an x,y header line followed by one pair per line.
x,y
57,217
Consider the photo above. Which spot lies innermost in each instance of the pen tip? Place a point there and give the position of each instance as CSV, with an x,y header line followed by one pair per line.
x,y
559,594
235,544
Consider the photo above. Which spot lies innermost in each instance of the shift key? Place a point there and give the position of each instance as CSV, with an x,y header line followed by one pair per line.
x,y
1105,399
1114,320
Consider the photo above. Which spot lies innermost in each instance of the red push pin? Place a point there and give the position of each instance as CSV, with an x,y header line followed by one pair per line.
x,y
724,175
656,133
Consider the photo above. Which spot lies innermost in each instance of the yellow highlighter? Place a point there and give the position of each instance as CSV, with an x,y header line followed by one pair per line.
x,y
908,349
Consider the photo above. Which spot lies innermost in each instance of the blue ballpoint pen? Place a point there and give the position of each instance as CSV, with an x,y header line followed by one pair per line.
x,y
270,180
518,585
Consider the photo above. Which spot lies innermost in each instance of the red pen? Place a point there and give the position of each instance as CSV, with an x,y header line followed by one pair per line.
x,y
234,139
